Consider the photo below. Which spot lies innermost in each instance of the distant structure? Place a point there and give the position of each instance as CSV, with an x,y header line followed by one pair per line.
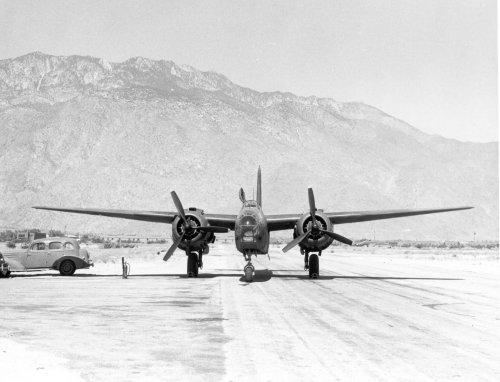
x,y
29,236
36,235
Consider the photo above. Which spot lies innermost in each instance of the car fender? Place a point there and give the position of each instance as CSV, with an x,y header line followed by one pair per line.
x,y
13,262
79,263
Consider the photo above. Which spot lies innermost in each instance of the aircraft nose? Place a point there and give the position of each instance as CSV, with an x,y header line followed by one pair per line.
x,y
248,221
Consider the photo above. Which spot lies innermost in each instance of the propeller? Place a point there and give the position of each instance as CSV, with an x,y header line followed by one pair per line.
x,y
315,227
188,228
173,247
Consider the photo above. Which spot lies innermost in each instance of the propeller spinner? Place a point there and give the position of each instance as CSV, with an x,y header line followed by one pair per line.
x,y
315,228
188,228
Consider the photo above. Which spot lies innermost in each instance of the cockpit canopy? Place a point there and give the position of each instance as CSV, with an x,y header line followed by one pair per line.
x,y
250,203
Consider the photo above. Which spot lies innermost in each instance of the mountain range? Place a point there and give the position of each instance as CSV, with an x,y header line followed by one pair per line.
x,y
78,131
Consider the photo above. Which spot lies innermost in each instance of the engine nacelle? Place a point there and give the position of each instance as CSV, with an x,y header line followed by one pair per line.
x,y
193,238
318,241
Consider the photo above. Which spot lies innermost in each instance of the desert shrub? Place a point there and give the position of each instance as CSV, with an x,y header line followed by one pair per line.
x,y
454,244
108,245
11,244
7,235
97,240
404,244
84,238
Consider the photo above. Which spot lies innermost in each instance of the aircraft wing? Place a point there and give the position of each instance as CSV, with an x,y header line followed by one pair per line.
x,y
364,216
148,216
281,222
221,220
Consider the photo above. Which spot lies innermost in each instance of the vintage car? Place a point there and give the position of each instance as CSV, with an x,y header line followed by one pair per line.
x,y
61,253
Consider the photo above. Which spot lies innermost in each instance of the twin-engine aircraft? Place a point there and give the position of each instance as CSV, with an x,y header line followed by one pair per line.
x,y
193,230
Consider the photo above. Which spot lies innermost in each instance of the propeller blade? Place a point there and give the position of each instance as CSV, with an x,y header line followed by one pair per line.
x,y
179,207
172,248
337,237
213,229
296,241
312,205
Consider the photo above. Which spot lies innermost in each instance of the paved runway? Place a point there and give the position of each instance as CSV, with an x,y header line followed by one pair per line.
x,y
372,315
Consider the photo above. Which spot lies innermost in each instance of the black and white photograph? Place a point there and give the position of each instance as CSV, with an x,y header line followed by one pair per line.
x,y
249,190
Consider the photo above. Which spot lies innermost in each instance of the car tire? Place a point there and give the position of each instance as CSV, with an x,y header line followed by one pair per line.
x,y
4,274
67,268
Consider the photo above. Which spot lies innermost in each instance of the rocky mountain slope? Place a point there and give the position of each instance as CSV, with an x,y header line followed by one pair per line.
x,y
83,132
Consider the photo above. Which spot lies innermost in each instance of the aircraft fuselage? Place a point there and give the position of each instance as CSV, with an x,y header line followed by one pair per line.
x,y
251,233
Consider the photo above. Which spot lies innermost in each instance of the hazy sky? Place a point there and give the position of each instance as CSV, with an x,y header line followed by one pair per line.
x,y
432,63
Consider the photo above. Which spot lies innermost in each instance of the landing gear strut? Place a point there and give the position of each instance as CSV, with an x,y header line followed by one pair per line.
x,y
192,265
313,266
249,268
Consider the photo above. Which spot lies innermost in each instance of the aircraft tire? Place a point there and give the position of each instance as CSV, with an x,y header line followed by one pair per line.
x,y
67,268
248,273
313,266
192,265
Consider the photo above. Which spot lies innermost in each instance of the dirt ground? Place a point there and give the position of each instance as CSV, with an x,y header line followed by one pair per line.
x,y
374,314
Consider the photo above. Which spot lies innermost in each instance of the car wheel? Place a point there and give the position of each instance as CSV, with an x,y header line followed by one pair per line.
x,y
4,273
67,268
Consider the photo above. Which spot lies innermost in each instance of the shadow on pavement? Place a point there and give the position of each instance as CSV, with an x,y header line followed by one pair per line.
x,y
259,276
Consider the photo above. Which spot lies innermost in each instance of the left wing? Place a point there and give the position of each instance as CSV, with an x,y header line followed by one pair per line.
x,y
148,216
281,222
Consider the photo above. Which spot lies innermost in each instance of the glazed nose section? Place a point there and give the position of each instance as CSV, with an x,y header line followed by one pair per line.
x,y
248,224
248,221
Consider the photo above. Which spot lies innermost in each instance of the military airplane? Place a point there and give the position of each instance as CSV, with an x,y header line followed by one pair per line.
x,y
193,229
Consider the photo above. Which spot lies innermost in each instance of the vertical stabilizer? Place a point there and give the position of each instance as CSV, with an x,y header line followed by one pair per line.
x,y
259,189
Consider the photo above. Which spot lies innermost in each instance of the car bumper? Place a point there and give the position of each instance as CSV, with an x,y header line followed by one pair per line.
x,y
89,263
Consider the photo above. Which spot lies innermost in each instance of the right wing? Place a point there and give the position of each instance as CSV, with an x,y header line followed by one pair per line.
x,y
364,216
288,221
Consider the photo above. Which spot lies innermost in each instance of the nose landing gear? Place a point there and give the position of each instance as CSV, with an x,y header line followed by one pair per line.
x,y
249,268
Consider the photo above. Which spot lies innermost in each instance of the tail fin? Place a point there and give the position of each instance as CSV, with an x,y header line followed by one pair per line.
x,y
242,196
259,189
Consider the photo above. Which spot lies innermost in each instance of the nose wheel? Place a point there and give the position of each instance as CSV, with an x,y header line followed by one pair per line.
x,y
249,269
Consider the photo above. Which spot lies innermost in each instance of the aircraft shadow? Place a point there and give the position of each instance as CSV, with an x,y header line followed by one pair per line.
x,y
259,276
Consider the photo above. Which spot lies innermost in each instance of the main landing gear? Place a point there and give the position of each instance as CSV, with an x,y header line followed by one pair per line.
x,y
311,263
249,268
194,261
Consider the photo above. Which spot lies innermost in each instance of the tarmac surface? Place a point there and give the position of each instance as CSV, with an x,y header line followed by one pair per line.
x,y
372,315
